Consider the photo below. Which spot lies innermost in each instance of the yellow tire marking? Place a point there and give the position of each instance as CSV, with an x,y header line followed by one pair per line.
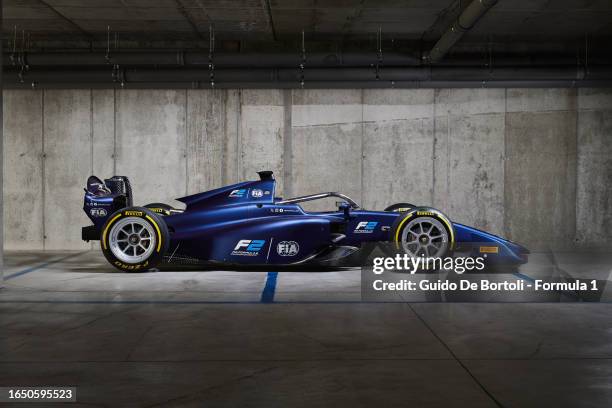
x,y
158,232
399,228
452,234
106,229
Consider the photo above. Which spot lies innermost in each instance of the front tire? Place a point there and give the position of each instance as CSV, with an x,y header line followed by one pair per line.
x,y
134,239
423,232
400,207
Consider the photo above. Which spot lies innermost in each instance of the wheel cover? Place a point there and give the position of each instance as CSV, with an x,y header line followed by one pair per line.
x,y
424,236
132,240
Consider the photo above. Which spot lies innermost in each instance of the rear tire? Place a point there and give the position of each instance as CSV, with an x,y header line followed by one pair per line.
x,y
134,239
160,208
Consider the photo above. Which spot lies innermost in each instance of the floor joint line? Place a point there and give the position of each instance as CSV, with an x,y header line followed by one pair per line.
x,y
465,368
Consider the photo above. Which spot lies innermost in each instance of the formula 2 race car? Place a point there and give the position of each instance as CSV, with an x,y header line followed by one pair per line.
x,y
246,224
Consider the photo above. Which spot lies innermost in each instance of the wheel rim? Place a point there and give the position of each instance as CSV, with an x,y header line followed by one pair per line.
x,y
132,240
424,236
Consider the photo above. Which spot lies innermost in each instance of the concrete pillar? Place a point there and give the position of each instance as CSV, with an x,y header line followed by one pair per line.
x,y
150,143
23,192
468,154
594,168
261,134
326,145
540,167
205,139
231,166
397,147
67,134
287,143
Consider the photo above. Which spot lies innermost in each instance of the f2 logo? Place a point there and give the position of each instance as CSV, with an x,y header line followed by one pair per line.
x,y
250,245
238,193
365,227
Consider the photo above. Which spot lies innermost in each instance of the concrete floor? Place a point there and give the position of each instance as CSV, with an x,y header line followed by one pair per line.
x,y
206,338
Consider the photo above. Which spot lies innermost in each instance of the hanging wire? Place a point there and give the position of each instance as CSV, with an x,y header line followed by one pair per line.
x,y
23,65
211,55
490,52
379,53
303,62
117,73
33,84
107,57
586,54
14,53
28,49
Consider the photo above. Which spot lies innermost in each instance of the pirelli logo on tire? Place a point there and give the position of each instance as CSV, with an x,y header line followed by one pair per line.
x,y
133,213
131,267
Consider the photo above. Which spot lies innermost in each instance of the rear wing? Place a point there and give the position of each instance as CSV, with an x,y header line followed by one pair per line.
x,y
102,199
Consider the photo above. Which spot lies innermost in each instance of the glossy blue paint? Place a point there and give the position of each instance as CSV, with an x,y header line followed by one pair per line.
x,y
245,223
509,252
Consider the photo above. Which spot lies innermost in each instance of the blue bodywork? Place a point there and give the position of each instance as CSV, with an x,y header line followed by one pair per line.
x,y
245,223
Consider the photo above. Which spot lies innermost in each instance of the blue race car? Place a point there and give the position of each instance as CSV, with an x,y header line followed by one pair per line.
x,y
246,224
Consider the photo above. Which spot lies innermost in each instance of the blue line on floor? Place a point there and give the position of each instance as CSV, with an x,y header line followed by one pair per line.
x,y
267,296
42,265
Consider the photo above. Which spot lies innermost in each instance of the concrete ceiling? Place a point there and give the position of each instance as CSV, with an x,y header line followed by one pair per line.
x,y
175,22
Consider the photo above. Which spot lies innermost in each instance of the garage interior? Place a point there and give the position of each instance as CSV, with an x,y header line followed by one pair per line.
x,y
499,113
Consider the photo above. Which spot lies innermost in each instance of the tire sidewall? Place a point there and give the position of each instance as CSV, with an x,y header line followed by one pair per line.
x,y
161,235
402,221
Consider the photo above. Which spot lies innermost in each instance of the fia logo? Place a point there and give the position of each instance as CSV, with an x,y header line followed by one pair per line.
x,y
287,248
98,212
257,193
248,247
365,227
238,193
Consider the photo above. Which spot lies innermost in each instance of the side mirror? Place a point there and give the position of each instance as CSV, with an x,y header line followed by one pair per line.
x,y
346,208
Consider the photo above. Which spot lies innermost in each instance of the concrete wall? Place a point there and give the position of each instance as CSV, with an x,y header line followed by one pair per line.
x,y
534,165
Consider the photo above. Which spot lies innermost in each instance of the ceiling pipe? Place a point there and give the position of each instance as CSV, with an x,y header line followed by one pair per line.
x,y
520,60
372,84
270,76
466,20
86,60
229,60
